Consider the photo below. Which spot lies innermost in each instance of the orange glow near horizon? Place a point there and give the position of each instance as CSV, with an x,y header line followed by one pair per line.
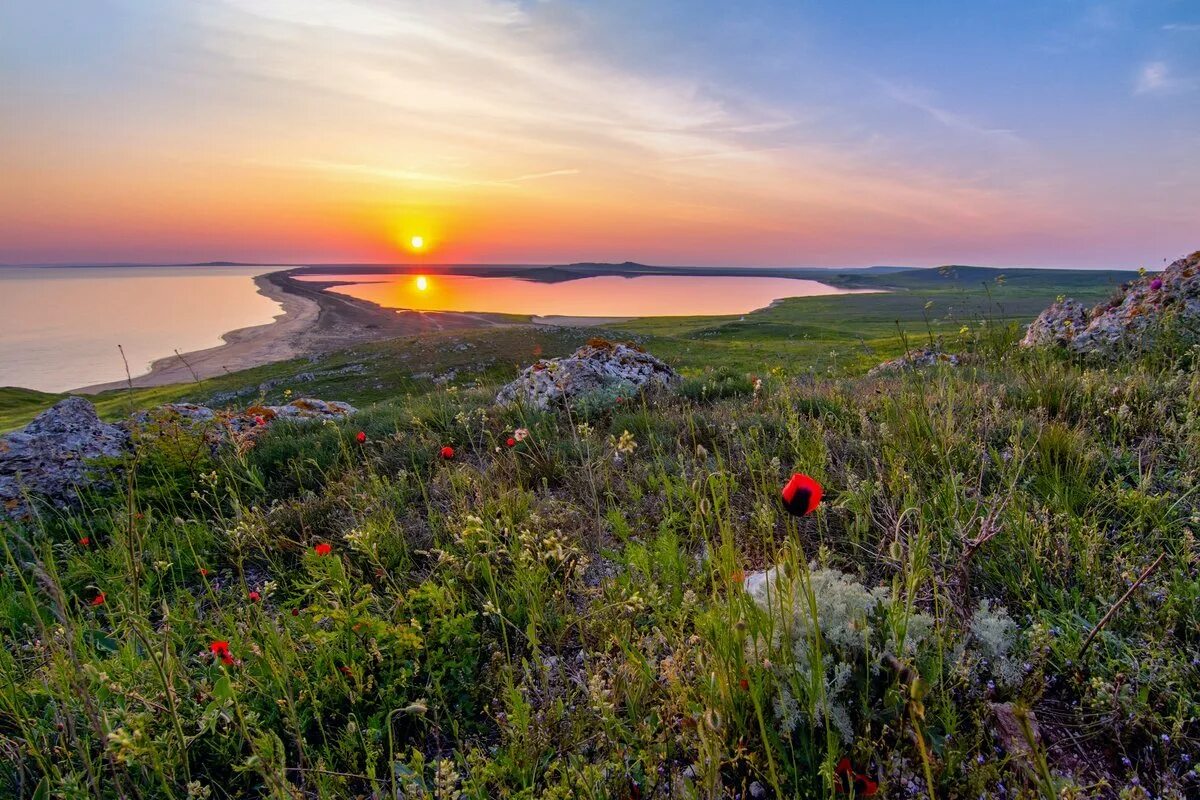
x,y
606,296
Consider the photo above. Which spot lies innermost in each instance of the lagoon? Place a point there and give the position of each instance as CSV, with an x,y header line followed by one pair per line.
x,y
606,297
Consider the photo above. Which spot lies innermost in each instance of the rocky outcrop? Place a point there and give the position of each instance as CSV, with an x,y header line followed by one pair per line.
x,y
191,415
917,357
52,457
1057,325
597,366
1137,317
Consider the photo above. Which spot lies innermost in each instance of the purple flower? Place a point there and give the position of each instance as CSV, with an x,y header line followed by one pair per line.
x,y
1156,284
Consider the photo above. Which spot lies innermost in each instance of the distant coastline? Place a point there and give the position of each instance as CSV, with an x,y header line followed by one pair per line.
x,y
314,321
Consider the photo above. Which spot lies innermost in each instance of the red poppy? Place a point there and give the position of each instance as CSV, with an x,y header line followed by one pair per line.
x,y
801,495
98,600
361,437
510,442
447,452
254,597
260,421
849,779
323,549
203,572
344,670
85,541
744,684
220,649
295,612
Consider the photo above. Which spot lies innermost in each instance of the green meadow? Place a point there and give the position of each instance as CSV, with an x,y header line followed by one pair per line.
x,y
996,597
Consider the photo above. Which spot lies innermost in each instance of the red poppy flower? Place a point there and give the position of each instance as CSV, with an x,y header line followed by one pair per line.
x,y
323,549
344,670
295,612
510,442
849,779
203,572
220,649
447,452
361,437
259,421
744,684
254,597
801,495
85,541
98,600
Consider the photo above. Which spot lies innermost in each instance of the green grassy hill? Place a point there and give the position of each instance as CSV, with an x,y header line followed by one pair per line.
x,y
997,595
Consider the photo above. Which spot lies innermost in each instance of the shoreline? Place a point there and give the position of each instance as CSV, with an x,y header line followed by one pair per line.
x,y
311,322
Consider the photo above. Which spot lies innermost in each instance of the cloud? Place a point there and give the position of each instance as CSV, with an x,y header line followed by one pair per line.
x,y
922,100
1156,78
1182,27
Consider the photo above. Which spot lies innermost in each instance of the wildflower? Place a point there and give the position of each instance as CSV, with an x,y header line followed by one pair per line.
x,y
744,685
626,443
1156,284
801,495
323,549
521,434
361,437
510,442
203,572
220,649
254,597
849,779
738,576
85,541
295,612
447,452
98,600
259,420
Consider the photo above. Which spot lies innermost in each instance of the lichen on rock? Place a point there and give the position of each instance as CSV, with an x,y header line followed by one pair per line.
x,y
1134,320
598,365
52,456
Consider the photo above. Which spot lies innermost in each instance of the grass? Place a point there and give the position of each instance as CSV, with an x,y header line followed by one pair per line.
x,y
567,617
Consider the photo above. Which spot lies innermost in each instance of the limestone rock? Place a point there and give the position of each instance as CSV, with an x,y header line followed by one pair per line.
x,y
598,365
1134,320
917,357
51,456
309,408
1057,325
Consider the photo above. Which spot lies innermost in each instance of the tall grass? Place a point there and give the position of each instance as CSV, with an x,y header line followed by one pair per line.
x,y
570,616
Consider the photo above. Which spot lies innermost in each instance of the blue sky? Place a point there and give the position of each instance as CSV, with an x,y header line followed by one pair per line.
x,y
1033,133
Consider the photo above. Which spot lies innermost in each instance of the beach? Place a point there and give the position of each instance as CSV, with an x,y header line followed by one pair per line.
x,y
313,321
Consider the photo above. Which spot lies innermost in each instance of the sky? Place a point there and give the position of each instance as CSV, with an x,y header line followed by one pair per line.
x,y
1044,133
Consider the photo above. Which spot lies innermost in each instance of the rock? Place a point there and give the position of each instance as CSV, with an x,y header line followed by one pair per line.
x,y
918,357
51,456
1057,325
187,413
598,365
309,408
1009,730
1135,319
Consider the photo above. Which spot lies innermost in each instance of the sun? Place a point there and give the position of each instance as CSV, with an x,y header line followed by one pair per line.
x,y
422,283
417,242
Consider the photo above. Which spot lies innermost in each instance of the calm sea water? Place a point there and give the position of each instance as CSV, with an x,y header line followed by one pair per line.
x,y
605,296
60,326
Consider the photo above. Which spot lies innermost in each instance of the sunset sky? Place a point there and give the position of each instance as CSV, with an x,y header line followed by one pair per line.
x,y
1006,133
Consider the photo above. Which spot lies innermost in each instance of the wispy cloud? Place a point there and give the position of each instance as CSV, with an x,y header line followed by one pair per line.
x,y
924,100
1156,77
1182,27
